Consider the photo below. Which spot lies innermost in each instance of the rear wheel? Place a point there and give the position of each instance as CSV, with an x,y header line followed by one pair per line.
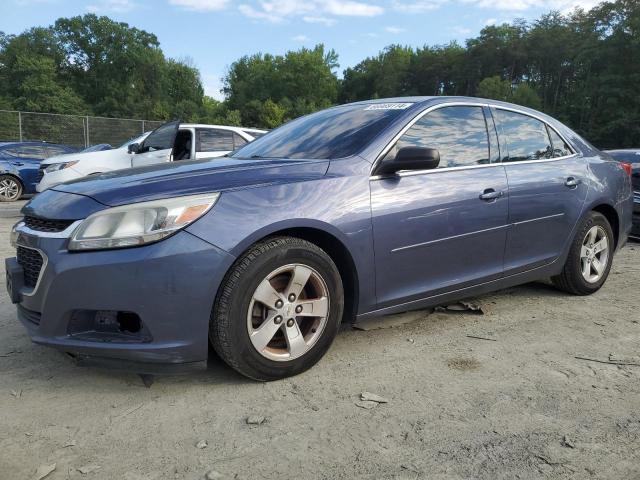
x,y
589,262
10,188
278,309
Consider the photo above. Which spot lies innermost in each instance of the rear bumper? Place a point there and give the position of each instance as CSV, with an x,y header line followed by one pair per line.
x,y
170,286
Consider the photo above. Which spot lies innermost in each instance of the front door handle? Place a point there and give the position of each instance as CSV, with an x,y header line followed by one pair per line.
x,y
17,164
571,182
491,194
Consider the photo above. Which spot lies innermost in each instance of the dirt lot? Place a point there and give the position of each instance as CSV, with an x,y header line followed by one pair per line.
x,y
520,406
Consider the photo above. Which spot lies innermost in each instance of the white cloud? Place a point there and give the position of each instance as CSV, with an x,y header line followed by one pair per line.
x,y
350,8
491,21
326,21
311,11
420,6
112,6
520,5
300,38
201,5
395,30
372,35
249,11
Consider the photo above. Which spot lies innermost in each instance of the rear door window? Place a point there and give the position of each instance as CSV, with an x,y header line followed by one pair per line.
x,y
33,152
526,137
213,140
458,133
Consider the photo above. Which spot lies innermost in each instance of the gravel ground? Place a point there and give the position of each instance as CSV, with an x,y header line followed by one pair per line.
x,y
518,405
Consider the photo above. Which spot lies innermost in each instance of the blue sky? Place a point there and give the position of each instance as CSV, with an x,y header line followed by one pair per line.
x,y
214,33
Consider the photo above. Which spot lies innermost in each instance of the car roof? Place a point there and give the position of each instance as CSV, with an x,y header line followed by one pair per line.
x,y
224,127
30,142
624,150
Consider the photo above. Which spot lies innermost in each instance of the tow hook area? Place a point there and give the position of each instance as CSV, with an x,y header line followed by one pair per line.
x,y
108,326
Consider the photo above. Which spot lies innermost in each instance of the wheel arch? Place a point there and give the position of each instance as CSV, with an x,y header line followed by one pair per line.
x,y
612,217
16,177
334,247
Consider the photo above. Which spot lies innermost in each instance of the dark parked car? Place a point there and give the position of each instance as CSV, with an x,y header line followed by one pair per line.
x,y
356,211
632,158
19,163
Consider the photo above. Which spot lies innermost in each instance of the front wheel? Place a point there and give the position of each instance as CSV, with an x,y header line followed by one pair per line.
x,y
10,188
278,310
589,262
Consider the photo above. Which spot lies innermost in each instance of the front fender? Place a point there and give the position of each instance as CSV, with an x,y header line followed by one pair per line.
x,y
337,205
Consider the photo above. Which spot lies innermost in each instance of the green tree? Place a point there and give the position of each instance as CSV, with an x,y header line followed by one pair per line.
x,y
37,88
269,89
494,88
525,95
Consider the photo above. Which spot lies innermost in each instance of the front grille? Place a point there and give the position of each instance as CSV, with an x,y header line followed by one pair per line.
x,y
45,225
40,173
31,262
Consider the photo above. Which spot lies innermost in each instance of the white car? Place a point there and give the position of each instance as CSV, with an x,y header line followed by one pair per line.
x,y
173,141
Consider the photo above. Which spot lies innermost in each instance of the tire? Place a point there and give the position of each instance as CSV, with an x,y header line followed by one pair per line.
x,y
10,188
238,315
572,279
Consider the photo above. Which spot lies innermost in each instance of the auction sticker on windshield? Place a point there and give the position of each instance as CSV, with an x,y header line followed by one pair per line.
x,y
389,106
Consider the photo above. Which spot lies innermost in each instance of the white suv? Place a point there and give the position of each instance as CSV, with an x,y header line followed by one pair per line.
x,y
171,142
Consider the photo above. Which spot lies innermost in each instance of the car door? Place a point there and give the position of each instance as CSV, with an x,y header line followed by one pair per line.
x,y
547,189
157,147
26,161
441,229
214,142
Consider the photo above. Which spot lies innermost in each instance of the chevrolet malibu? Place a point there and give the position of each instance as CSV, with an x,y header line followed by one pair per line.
x,y
357,211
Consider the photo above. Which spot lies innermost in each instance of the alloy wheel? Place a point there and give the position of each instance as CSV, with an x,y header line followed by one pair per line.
x,y
594,254
9,189
288,312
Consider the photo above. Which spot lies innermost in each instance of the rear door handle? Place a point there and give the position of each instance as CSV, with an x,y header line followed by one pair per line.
x,y
17,164
571,182
491,194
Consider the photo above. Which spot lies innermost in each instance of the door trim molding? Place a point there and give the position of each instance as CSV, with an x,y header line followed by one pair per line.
x,y
453,237
477,232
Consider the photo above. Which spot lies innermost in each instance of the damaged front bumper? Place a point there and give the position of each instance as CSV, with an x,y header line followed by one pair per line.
x,y
145,308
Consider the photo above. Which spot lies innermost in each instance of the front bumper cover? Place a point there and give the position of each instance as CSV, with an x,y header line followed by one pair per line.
x,y
171,285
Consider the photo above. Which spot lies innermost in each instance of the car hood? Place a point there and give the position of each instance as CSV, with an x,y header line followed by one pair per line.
x,y
70,157
191,177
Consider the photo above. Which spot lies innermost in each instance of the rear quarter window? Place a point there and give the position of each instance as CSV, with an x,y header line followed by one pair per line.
x,y
33,152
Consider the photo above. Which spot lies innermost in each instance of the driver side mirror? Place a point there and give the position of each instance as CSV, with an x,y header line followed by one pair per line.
x,y
134,148
411,158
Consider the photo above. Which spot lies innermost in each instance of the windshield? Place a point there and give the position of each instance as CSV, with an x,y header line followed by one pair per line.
x,y
138,139
338,132
97,148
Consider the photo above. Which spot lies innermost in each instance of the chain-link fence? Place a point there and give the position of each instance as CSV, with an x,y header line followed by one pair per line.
x,y
75,130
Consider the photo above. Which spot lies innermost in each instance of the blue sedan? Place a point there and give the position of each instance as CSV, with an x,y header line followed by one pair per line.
x,y
353,212
19,164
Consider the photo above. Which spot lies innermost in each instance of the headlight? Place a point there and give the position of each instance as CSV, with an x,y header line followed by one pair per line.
x,y
13,236
139,223
54,167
